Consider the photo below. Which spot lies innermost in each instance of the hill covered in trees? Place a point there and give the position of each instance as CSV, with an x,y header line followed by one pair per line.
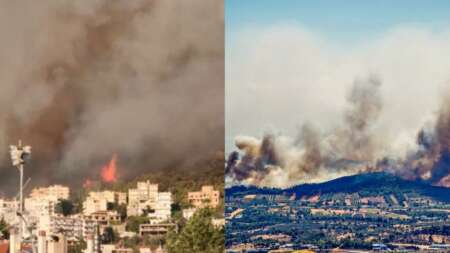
x,y
366,184
179,180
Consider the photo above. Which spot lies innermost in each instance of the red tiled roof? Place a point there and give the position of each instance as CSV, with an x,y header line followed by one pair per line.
x,y
4,247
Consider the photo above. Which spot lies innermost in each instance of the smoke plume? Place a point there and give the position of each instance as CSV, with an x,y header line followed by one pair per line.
x,y
352,148
369,104
431,162
314,156
82,80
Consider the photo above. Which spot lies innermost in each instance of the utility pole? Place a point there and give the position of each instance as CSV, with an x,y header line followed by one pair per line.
x,y
21,188
19,154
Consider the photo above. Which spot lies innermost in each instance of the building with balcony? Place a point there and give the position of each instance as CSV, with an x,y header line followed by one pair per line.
x,y
207,197
51,192
147,198
155,229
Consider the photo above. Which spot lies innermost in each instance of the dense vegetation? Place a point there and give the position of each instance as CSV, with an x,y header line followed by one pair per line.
x,y
196,235
199,235
177,179
65,207
4,229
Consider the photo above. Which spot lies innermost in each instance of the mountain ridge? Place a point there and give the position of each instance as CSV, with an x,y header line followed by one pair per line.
x,y
372,183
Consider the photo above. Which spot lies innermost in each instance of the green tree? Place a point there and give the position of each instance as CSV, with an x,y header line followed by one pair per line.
x,y
78,247
4,229
122,210
198,236
64,207
109,236
133,223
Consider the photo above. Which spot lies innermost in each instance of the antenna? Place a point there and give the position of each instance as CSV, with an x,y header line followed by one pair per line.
x,y
19,155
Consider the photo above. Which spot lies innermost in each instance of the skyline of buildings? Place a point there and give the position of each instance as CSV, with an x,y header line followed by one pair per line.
x,y
56,232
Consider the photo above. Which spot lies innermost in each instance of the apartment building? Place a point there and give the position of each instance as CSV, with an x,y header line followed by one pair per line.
x,y
103,217
207,197
156,229
73,227
98,201
40,206
91,205
42,201
8,210
110,196
143,192
146,196
162,208
51,192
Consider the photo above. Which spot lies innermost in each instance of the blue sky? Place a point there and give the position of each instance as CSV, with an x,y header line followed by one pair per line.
x,y
339,25
339,20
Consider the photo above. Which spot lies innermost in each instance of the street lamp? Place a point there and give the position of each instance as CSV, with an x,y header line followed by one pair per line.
x,y
19,154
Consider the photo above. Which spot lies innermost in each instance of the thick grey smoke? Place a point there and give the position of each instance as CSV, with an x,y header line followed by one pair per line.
x,y
431,162
82,80
316,156
356,141
352,148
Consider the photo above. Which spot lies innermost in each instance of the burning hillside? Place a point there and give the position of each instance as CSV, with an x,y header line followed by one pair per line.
x,y
110,76
351,148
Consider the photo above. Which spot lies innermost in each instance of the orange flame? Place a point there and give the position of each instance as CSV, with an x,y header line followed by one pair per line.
x,y
109,171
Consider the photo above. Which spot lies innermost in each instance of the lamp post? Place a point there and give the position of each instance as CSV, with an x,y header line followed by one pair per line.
x,y
19,154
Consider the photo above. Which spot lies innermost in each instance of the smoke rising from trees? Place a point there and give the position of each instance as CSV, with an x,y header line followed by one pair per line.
x,y
82,80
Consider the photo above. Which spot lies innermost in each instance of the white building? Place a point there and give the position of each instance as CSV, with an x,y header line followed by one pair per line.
x,y
108,248
56,243
52,192
104,218
146,196
40,206
8,210
140,197
207,197
110,196
73,227
162,208
91,205
43,200
98,201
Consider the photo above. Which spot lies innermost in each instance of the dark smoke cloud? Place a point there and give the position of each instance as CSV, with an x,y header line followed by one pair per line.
x,y
82,80
356,141
441,168
353,147
257,159
313,155
431,162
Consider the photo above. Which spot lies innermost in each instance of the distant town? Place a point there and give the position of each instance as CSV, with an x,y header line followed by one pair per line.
x,y
395,216
138,220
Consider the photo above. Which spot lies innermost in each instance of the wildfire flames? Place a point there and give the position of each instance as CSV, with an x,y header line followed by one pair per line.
x,y
109,171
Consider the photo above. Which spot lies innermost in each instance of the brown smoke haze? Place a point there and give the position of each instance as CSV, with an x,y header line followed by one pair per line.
x,y
352,147
328,108
432,161
81,80
275,161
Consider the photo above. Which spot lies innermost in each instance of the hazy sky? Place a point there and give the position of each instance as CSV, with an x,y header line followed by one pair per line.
x,y
291,62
